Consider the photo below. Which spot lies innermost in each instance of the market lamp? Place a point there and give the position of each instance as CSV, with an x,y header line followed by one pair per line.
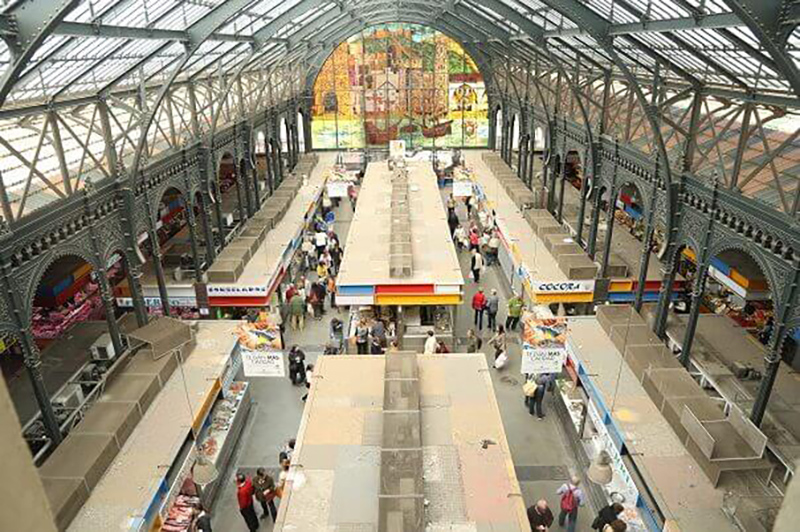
x,y
204,471
600,471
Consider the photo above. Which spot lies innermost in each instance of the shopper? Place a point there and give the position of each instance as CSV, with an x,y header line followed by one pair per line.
x,y
265,493
321,241
476,265
535,400
492,306
494,248
307,249
362,337
430,344
297,371
352,194
379,331
322,270
479,306
202,520
282,476
244,493
515,305
471,204
473,342
539,516
336,257
332,291
337,333
451,205
317,299
460,238
617,525
375,347
498,342
474,239
452,223
309,377
441,348
297,310
607,515
571,501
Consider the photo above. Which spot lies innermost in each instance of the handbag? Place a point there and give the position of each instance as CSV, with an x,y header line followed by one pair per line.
x,y
529,388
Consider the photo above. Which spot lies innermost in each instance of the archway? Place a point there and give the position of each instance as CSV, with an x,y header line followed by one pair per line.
x,y
230,195
68,317
413,83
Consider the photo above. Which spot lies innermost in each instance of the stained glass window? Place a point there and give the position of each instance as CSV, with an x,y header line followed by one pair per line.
x,y
399,81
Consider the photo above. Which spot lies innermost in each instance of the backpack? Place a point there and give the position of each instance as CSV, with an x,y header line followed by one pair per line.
x,y
568,501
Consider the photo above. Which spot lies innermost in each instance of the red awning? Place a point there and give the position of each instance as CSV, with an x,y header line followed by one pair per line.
x,y
404,289
237,301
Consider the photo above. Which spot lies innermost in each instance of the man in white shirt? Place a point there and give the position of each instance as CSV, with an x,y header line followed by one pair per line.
x,y
430,344
321,241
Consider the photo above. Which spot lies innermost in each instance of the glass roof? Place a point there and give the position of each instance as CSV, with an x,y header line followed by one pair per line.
x,y
122,51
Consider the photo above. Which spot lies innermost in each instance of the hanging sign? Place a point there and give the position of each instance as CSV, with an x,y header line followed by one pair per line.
x,y
236,291
562,287
462,188
543,344
338,189
542,360
263,363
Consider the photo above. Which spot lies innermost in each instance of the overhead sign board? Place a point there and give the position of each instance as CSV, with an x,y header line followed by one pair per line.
x,y
562,287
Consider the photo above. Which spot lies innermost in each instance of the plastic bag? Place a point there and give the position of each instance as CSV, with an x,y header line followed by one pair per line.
x,y
501,361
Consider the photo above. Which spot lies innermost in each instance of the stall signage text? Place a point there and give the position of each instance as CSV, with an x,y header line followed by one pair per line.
x,y
234,291
542,360
564,286
263,363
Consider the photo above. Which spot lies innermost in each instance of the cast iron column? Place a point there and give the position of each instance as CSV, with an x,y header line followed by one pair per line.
x,y
669,272
31,359
700,280
156,247
188,204
132,252
647,244
612,205
773,358
584,194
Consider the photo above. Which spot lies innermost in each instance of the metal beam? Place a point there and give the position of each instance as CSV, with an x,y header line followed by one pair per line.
x,y
32,21
766,19
82,29
711,21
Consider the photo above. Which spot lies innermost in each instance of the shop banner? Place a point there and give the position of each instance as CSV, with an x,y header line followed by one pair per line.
x,y
543,344
562,287
338,189
462,188
263,363
236,291
542,360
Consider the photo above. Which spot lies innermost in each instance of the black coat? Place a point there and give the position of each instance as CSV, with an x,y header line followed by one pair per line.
x,y
536,519
604,517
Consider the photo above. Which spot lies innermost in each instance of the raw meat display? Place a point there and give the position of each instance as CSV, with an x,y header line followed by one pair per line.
x,y
180,516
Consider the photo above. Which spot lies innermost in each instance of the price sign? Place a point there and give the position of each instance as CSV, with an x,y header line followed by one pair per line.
x,y
263,363
462,188
542,360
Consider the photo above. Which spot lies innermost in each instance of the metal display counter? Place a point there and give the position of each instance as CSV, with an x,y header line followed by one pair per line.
x,y
133,489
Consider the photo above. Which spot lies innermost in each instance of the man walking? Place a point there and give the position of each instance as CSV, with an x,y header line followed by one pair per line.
x,y
540,517
297,309
265,493
515,305
476,265
571,500
479,305
244,493
492,305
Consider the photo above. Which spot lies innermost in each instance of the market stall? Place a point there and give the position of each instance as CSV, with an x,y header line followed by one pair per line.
x,y
529,265
615,421
428,275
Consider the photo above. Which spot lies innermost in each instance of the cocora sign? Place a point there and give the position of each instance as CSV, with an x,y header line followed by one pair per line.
x,y
563,286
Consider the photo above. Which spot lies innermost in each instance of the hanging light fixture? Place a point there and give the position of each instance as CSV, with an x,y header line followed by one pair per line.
x,y
600,471
204,471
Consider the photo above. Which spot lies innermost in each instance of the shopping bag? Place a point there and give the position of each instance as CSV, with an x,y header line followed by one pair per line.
x,y
529,388
501,361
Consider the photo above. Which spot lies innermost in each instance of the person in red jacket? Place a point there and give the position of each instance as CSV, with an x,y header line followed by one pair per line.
x,y
245,492
479,306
